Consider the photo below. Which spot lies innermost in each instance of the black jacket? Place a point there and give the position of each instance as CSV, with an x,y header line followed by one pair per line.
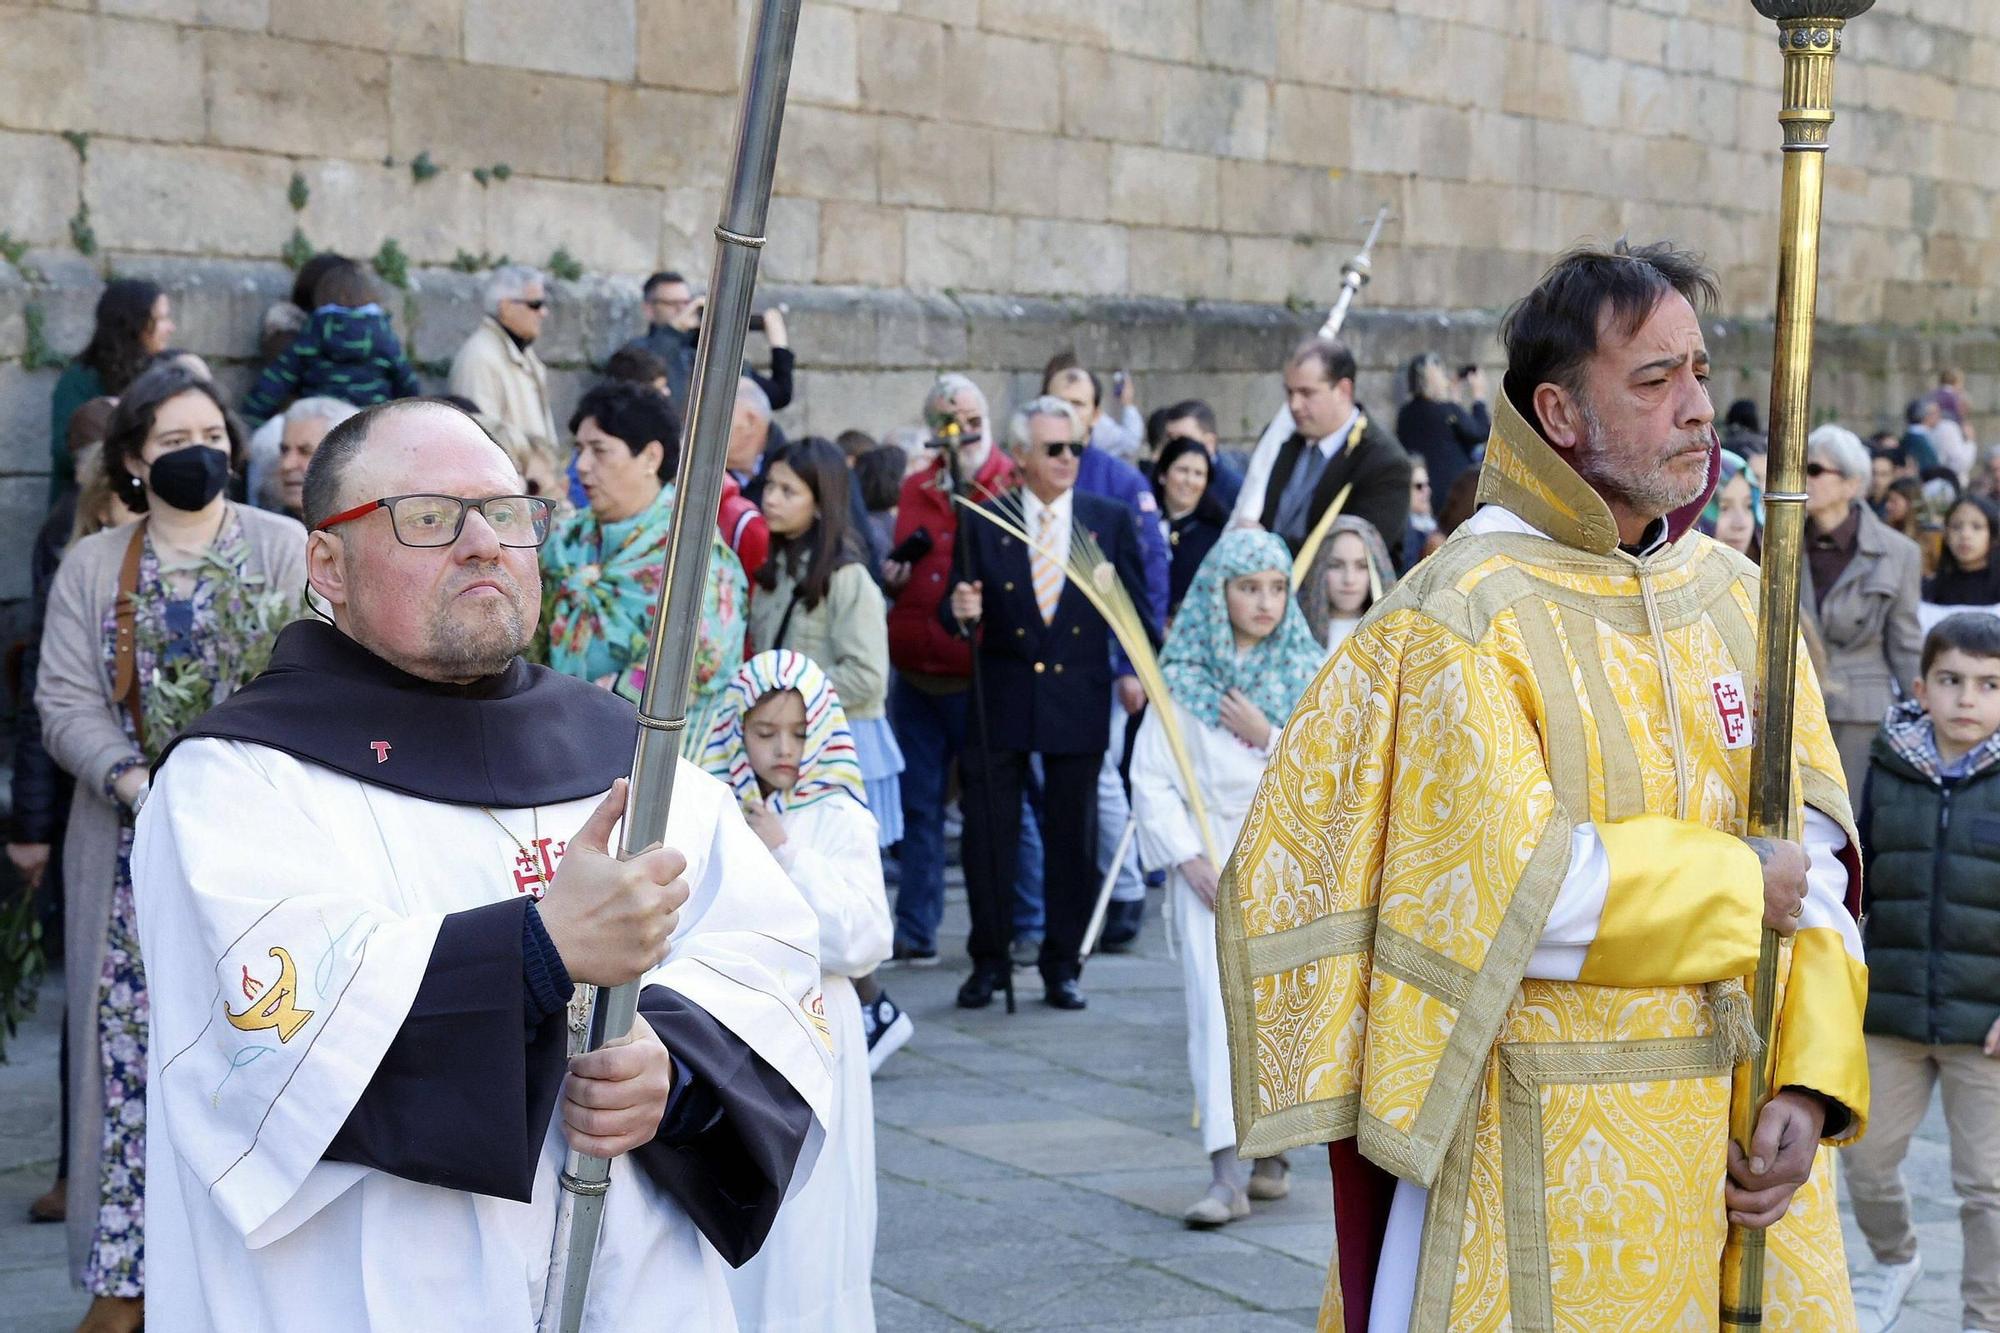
x,y
677,350
1189,540
1376,465
1444,436
41,789
1048,687
1932,929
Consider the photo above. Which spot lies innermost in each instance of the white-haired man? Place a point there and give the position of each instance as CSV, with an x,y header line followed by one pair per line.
x,y
307,422
928,697
751,434
497,367
1048,664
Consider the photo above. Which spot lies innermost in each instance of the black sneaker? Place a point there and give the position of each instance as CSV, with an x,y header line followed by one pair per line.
x,y
909,955
1121,926
888,1028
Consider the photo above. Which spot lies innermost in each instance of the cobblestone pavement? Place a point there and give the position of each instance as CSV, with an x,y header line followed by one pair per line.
x,y
1033,1170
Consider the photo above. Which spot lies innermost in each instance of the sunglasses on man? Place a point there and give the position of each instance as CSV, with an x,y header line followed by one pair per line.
x,y
538,303
1075,447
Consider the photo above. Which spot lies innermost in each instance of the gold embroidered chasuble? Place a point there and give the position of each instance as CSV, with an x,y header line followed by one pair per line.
x,y
1395,874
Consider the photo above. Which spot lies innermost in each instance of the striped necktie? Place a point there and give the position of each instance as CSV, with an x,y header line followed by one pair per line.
x,y
1048,574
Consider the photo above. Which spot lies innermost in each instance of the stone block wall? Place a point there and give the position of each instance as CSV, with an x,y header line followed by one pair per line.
x,y
1171,185
1204,149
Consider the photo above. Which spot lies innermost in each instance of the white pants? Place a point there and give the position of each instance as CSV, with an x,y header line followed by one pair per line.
x,y
1207,1038
1396,1269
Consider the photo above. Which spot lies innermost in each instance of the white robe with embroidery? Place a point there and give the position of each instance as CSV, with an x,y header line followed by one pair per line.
x,y
814,1274
243,850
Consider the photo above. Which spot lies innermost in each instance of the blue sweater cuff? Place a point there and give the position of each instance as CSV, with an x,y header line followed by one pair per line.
x,y
546,981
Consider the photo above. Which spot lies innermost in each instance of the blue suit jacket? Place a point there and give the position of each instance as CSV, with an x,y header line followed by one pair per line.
x,y
1048,686
1098,473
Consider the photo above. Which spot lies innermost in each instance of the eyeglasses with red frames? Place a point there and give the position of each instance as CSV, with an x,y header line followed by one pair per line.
x,y
436,520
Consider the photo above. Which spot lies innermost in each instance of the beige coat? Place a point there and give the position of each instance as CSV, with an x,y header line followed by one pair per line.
x,y
507,381
847,634
1869,623
81,729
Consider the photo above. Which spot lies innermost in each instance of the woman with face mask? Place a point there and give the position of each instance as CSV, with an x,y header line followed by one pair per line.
x,y
175,607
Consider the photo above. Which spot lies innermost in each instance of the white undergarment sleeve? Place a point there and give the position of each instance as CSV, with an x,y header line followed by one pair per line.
x,y
1577,912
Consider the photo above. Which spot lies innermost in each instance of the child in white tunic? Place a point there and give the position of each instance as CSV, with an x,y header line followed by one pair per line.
x,y
782,741
1236,661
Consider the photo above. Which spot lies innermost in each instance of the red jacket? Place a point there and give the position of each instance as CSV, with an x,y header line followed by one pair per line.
x,y
917,642
743,527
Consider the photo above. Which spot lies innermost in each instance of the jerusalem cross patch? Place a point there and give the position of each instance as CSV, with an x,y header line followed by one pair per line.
x,y
1732,710
534,868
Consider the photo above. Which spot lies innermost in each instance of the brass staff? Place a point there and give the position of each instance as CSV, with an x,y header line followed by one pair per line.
x,y
1354,275
1809,36
767,69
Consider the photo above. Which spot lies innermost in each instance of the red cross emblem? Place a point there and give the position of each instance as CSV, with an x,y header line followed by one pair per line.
x,y
1732,710
535,868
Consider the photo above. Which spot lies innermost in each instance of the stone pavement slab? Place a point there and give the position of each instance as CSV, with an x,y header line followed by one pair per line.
x,y
1032,1172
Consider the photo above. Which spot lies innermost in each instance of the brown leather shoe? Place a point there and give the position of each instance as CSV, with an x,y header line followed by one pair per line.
x,y
114,1314
53,1206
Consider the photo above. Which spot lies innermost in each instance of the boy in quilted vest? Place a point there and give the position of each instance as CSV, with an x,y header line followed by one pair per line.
x,y
1930,829
347,350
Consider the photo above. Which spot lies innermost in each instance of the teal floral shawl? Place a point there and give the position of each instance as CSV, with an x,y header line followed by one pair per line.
x,y
600,586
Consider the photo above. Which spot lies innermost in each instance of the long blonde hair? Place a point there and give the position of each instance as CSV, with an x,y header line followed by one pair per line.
x,y
97,504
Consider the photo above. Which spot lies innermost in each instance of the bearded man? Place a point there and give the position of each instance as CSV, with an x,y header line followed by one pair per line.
x,y
370,887
1491,918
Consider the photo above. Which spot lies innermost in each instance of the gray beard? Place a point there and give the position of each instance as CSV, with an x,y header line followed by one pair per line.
x,y
461,652
1653,494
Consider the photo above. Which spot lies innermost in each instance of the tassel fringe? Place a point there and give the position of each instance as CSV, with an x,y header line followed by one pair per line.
x,y
1735,1024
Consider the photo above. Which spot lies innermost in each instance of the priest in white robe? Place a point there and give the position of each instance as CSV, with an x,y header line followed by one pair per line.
x,y
370,887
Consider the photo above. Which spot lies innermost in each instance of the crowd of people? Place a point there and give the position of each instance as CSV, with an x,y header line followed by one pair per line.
x,y
878,674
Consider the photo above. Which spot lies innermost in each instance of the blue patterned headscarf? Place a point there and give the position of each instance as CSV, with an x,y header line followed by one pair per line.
x,y
1734,465
828,764
1200,661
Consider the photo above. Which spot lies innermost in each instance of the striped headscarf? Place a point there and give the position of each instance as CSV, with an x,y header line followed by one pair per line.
x,y
1200,661
827,764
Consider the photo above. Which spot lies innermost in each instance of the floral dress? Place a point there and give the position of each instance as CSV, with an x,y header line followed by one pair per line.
x,y
180,630
601,582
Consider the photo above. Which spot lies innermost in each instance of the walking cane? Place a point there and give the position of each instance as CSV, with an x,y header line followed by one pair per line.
x,y
1110,882
739,235
999,920
1809,36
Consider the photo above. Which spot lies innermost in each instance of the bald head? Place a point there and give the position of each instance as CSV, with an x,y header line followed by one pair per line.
x,y
402,426
454,613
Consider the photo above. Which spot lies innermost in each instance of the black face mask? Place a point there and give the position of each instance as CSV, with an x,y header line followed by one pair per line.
x,y
190,477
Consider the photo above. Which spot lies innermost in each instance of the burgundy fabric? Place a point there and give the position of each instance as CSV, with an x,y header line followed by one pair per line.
x,y
1685,517
917,642
1362,1192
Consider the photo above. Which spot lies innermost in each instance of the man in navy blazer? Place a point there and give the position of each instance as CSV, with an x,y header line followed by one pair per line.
x,y
1047,661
